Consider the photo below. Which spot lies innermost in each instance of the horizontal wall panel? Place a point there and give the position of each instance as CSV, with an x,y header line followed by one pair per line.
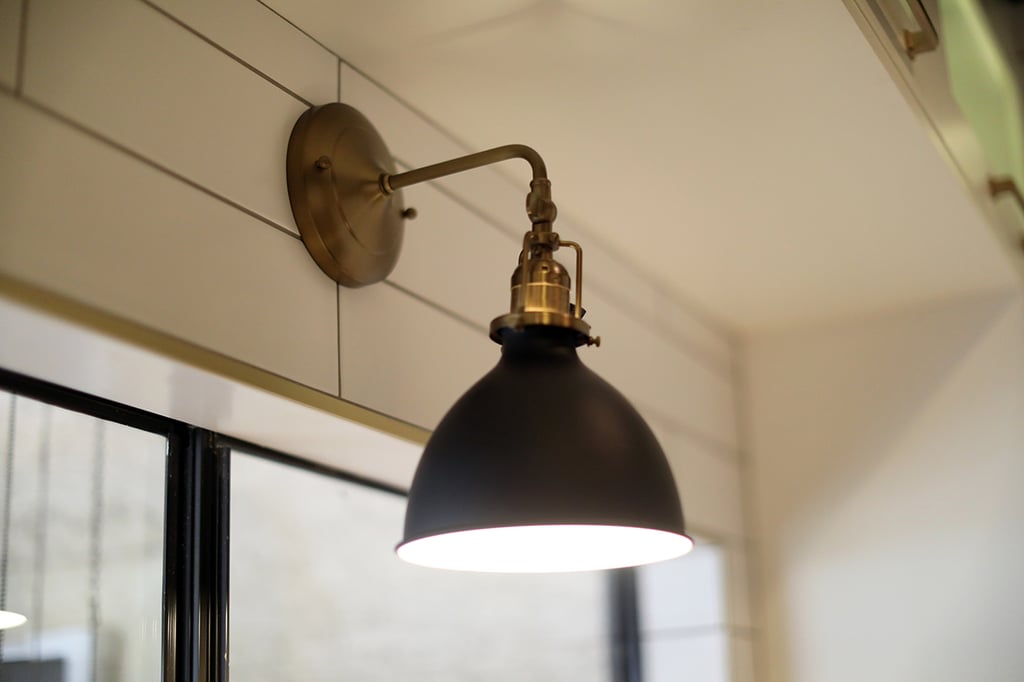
x,y
498,194
259,37
607,276
124,70
10,29
625,344
405,358
660,377
691,393
134,241
454,259
709,484
701,337
407,134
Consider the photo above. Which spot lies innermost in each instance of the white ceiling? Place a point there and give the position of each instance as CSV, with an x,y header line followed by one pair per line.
x,y
752,155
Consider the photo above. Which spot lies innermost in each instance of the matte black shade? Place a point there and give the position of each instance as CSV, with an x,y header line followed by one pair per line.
x,y
541,440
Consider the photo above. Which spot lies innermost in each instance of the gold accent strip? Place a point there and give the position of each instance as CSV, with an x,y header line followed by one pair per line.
x,y
93,318
1004,184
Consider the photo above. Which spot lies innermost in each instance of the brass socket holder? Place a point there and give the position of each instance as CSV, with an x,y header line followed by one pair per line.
x,y
541,290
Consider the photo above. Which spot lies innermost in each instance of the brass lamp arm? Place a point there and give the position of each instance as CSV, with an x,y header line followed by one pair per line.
x,y
539,206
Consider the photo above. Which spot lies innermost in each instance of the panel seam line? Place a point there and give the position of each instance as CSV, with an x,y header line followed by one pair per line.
x,y
19,74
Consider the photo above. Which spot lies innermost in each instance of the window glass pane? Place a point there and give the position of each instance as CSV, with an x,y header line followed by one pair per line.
x,y
82,501
687,593
318,594
670,657
683,629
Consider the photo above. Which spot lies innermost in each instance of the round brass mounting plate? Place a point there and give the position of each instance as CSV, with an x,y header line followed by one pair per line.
x,y
350,227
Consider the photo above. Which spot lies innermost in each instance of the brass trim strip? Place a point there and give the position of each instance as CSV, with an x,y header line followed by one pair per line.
x,y
926,38
910,42
999,185
90,317
1004,184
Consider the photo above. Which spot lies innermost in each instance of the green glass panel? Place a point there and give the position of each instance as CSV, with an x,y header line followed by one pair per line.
x,y
984,85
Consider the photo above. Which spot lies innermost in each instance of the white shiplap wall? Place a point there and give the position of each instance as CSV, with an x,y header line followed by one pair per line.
x,y
141,173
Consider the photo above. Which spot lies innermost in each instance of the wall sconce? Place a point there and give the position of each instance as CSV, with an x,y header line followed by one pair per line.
x,y
541,466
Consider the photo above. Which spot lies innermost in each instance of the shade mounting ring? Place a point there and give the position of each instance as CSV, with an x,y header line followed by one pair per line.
x,y
349,226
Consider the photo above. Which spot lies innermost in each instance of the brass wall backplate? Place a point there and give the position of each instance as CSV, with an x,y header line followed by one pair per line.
x,y
350,227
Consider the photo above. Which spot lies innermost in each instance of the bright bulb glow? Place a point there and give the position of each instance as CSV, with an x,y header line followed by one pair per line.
x,y
10,619
545,549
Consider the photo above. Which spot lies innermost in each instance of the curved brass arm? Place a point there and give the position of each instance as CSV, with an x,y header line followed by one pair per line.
x,y
464,163
539,206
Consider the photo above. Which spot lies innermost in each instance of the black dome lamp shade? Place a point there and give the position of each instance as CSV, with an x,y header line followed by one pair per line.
x,y
542,465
